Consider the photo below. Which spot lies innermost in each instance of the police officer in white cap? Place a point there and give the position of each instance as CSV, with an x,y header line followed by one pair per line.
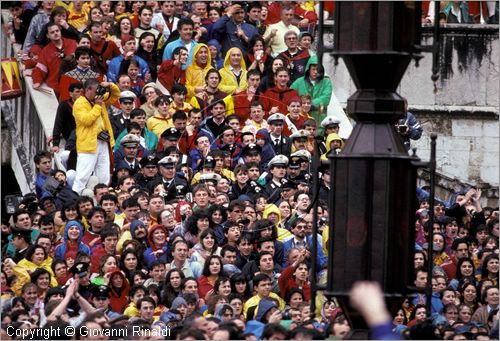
x,y
277,168
281,144
299,139
130,145
120,118
330,124
175,186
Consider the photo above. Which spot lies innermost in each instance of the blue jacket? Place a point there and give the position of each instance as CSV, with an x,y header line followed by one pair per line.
x,y
61,249
39,182
224,30
436,304
114,68
150,257
267,151
321,259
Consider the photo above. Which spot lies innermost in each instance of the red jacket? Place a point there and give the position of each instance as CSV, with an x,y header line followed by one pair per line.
x,y
204,286
169,74
287,281
118,301
186,143
275,97
101,54
96,254
49,63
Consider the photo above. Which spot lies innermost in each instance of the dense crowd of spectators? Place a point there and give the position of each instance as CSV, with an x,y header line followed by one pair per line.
x,y
182,210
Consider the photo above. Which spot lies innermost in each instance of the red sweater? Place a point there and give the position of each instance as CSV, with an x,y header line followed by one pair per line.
x,y
275,97
286,282
242,106
49,63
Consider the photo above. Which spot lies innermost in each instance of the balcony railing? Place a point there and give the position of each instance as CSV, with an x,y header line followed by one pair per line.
x,y
29,118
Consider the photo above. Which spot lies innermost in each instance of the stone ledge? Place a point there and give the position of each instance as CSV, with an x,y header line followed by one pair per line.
x,y
456,111
446,186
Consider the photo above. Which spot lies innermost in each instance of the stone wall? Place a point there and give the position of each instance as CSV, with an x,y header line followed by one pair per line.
x,y
461,107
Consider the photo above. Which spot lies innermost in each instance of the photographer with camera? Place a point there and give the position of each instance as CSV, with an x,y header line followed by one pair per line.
x,y
94,135
408,127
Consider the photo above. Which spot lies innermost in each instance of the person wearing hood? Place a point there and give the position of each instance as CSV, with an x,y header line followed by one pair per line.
x,y
273,214
138,231
268,311
158,247
224,312
234,72
119,289
72,244
215,53
36,258
195,72
334,144
316,84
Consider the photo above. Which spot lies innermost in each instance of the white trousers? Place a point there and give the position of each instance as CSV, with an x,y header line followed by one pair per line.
x,y
88,163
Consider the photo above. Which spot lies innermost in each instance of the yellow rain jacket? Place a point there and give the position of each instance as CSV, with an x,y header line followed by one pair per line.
x,y
332,137
283,234
92,119
229,83
195,74
23,269
158,124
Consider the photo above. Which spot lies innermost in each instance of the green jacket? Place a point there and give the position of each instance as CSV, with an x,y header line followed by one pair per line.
x,y
321,92
150,138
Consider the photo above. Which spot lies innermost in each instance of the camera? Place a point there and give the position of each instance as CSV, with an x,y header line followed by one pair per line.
x,y
104,136
101,90
12,202
402,128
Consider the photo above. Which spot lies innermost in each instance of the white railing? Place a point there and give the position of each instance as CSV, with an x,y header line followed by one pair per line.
x,y
29,118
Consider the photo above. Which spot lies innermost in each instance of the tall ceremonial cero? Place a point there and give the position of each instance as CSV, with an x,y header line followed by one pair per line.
x,y
373,178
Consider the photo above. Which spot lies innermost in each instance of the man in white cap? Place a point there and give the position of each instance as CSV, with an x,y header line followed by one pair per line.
x,y
330,125
121,116
277,168
299,139
130,144
281,144
175,186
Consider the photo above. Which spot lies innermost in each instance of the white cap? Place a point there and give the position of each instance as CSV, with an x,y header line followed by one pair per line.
x,y
278,160
300,133
329,120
